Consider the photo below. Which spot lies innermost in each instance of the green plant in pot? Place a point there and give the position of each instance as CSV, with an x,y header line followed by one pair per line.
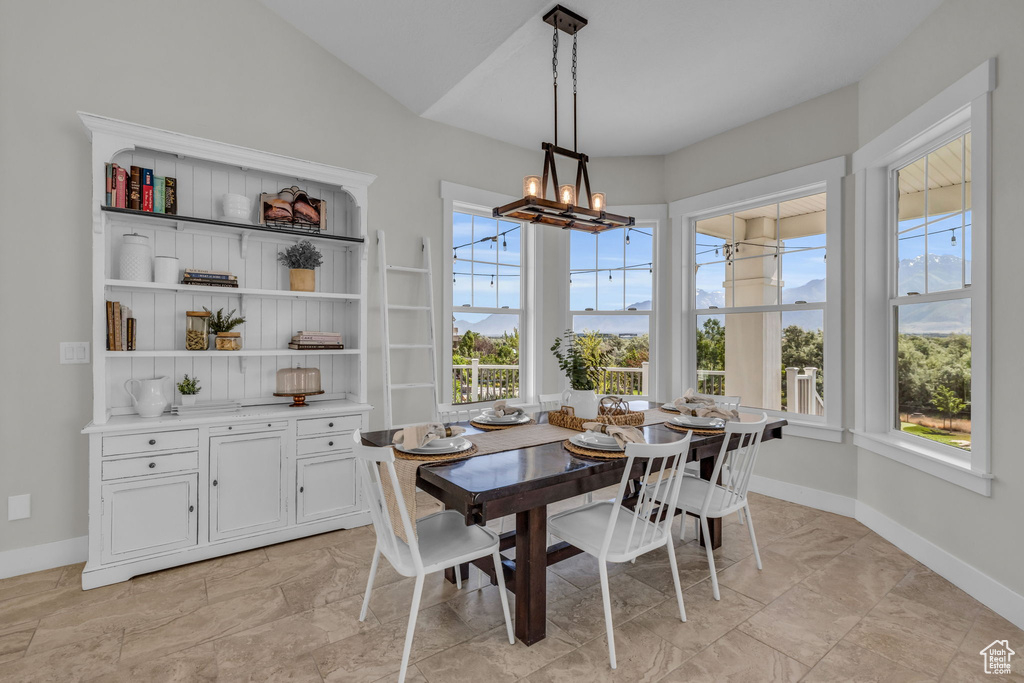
x,y
580,359
189,388
301,260
221,325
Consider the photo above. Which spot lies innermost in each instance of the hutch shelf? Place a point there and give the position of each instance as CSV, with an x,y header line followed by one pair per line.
x,y
171,490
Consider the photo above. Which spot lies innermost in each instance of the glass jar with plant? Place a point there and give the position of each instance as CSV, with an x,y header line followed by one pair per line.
x,y
581,361
189,388
221,326
301,260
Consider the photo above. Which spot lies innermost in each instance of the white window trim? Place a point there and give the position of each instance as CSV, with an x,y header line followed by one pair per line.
x,y
824,176
651,216
457,197
965,103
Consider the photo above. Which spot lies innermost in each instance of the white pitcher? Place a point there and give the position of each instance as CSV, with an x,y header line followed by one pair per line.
x,y
583,402
152,396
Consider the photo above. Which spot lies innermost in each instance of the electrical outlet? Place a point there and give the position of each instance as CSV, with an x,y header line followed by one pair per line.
x,y
19,507
74,352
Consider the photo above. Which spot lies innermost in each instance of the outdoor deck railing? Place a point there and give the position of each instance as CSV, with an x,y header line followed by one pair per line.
x,y
478,382
711,382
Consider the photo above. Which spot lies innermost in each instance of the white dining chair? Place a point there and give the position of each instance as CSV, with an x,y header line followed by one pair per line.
x,y
448,412
706,500
613,533
549,401
440,541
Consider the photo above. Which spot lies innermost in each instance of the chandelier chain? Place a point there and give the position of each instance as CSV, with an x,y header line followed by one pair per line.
x,y
554,56
574,62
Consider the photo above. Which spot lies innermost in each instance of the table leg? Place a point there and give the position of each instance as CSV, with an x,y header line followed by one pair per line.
x,y
707,468
531,574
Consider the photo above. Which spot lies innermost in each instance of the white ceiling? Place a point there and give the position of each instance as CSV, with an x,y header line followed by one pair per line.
x,y
654,75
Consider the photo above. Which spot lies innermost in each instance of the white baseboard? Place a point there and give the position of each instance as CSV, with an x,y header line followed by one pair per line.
x,y
45,556
803,495
980,586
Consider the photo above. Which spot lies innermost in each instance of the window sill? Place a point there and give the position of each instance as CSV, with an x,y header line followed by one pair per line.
x,y
925,460
807,429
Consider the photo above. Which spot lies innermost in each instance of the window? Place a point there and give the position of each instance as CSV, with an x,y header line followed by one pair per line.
x,y
487,295
761,296
931,301
759,300
611,276
922,287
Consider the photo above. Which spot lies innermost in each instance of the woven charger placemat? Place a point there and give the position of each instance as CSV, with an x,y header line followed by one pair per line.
x,y
591,452
441,457
488,427
679,428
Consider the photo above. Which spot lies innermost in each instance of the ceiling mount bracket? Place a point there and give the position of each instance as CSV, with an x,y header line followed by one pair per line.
x,y
565,19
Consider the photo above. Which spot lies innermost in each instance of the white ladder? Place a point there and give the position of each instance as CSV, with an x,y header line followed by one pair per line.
x,y
416,275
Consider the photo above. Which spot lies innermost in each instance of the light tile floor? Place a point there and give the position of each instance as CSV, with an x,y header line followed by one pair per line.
x,y
834,602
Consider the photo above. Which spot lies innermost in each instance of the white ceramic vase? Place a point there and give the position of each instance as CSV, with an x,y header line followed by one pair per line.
x,y
150,397
165,269
136,262
583,403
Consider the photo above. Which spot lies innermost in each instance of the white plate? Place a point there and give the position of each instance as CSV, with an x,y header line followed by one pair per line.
x,y
585,442
699,422
670,406
454,444
490,418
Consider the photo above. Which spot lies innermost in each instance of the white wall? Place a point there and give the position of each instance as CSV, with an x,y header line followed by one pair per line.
x,y
960,35
228,70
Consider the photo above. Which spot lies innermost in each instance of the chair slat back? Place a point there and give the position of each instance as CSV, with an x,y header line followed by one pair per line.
x,y
735,461
651,518
549,401
373,463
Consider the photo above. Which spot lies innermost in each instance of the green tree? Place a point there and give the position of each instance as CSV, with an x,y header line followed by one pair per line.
x,y
947,403
803,349
711,345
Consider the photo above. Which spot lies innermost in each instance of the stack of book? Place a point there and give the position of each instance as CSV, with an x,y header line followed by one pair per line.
x,y
139,189
310,340
209,278
120,327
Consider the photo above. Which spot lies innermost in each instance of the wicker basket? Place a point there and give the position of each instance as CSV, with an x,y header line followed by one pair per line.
x,y
565,418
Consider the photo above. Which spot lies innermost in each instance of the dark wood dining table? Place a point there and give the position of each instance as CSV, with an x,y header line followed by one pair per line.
x,y
524,482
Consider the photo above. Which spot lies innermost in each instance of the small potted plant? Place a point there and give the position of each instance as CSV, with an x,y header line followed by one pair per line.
x,y
301,259
189,388
581,363
221,326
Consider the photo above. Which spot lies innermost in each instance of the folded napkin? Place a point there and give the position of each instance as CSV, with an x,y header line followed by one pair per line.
x,y
621,434
418,436
501,409
703,406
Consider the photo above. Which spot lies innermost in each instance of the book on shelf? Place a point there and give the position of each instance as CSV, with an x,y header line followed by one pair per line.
x,y
125,314
209,274
170,196
130,344
323,338
211,283
147,190
108,174
135,189
115,322
110,326
315,347
158,194
120,189
318,333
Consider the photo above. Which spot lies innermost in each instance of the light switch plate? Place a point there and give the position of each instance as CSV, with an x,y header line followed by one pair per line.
x,y
19,507
74,352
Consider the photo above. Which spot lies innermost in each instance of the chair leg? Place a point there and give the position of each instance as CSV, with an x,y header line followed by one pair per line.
x,y
458,577
742,519
682,528
675,577
588,498
711,556
417,593
504,596
369,583
753,539
608,613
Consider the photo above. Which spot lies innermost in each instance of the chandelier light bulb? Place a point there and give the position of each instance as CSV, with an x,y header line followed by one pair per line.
x,y
531,186
567,194
598,202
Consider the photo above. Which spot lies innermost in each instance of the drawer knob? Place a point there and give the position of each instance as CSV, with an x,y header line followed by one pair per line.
x,y
301,489
330,443
214,482
152,442
152,465
191,508
230,428
330,424
269,425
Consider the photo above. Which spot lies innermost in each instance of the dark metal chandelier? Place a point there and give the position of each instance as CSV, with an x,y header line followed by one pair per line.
x,y
565,211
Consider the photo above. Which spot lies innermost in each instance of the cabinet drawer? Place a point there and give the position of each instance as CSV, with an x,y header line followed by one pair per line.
x,y
323,444
154,464
151,441
249,427
328,425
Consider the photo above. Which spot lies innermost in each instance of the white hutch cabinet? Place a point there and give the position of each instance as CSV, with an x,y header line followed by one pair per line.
x,y
170,490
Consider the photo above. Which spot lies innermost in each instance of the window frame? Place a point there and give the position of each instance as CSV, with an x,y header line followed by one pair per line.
x,y
825,176
644,221
474,201
963,106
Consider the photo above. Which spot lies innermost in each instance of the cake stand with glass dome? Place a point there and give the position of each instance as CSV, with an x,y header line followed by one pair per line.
x,y
298,383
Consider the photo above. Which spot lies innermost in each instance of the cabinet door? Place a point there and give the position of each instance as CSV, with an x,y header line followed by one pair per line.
x,y
325,486
246,484
149,515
